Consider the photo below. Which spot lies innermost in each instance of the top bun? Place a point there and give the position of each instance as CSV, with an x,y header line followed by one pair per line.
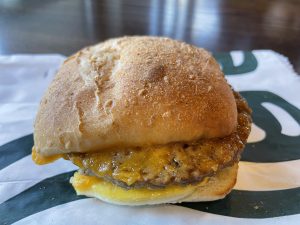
x,y
134,91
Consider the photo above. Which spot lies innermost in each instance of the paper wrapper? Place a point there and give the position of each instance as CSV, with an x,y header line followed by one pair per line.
x,y
268,185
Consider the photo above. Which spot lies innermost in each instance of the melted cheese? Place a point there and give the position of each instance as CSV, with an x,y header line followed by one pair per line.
x,y
99,188
130,164
41,160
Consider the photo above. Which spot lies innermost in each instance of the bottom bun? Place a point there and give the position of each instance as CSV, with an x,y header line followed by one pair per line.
x,y
213,188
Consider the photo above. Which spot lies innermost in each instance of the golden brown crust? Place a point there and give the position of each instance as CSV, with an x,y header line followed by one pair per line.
x,y
134,91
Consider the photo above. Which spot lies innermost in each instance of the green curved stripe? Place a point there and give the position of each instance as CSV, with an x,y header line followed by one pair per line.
x,y
15,150
276,147
48,193
242,204
252,204
249,64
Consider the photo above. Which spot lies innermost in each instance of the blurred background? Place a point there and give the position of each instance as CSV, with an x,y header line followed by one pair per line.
x,y
64,26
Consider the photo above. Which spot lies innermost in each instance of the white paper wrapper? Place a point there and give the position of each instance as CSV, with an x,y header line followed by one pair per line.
x,y
268,187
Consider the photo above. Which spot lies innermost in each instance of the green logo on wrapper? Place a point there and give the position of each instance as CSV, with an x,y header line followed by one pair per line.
x,y
276,147
249,63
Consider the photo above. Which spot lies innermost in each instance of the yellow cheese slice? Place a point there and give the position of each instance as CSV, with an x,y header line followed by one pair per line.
x,y
41,160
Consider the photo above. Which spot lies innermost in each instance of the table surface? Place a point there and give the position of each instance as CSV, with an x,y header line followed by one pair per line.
x,y
64,26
